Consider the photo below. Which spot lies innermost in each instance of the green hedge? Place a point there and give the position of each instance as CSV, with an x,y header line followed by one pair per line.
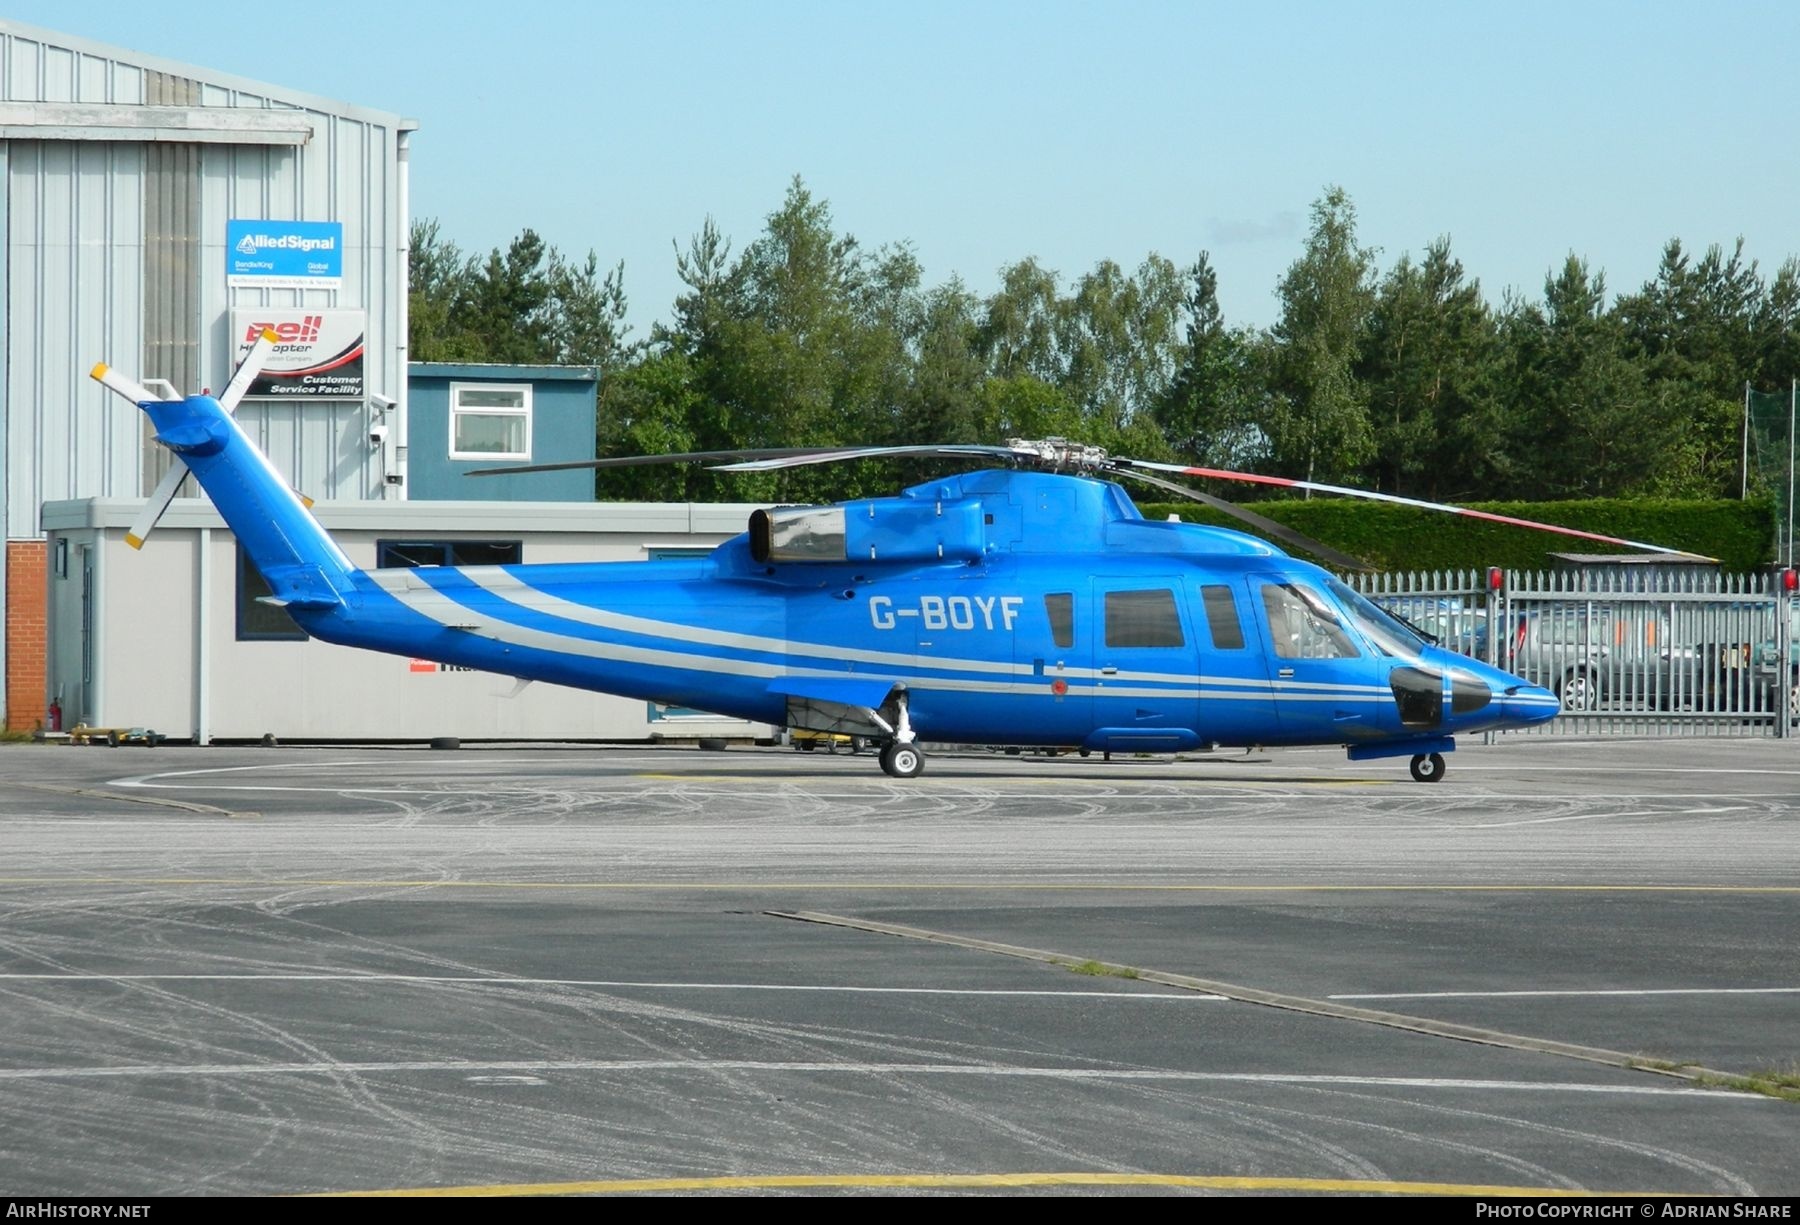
x,y
1740,534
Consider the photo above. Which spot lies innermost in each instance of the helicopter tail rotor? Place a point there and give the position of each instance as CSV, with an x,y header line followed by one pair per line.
x,y
137,393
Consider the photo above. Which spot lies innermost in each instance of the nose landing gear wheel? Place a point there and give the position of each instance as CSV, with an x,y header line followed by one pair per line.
x,y
1428,768
902,760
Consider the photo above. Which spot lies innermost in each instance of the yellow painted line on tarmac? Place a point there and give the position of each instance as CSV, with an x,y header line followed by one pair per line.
x,y
875,886
814,1182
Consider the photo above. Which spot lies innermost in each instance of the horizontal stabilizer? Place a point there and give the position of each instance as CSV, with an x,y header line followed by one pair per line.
x,y
301,586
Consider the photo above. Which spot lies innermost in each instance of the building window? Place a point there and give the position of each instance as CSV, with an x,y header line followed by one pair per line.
x,y
257,621
394,554
1142,619
490,421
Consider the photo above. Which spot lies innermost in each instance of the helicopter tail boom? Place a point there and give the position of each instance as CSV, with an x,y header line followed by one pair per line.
x,y
303,566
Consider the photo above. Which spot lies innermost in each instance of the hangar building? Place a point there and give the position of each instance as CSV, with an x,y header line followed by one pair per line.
x,y
154,215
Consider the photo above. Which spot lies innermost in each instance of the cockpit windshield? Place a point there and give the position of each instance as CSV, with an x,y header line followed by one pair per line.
x,y
1389,634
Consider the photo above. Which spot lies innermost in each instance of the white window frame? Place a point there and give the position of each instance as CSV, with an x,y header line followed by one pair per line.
x,y
457,412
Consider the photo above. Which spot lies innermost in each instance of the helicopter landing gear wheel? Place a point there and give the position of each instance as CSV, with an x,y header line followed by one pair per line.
x,y
902,760
1428,768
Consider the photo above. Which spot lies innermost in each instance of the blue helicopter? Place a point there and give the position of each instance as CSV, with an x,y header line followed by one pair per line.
x,y
1028,604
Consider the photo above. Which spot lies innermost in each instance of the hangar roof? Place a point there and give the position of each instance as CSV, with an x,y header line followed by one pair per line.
x,y
277,94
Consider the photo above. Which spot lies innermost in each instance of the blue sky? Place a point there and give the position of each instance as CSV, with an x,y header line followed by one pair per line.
x,y
984,133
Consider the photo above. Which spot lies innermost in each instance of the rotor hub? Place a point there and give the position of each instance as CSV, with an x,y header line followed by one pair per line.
x,y
1059,454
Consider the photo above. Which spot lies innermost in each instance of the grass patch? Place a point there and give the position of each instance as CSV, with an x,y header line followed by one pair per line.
x,y
1788,1078
1661,1065
1783,1085
1099,969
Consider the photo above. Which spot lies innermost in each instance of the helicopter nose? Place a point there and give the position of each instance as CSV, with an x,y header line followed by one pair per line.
x,y
1529,705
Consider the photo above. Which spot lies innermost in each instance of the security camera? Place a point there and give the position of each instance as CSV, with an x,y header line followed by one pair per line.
x,y
377,434
382,403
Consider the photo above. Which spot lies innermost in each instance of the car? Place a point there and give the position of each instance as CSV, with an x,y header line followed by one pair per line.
x,y
805,740
1770,674
1444,620
1594,655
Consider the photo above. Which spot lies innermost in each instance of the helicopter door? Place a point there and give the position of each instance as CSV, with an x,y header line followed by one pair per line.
x,y
1146,665
1236,704
1061,662
1324,682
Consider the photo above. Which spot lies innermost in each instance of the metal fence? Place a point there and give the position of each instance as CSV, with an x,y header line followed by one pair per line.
x,y
1641,652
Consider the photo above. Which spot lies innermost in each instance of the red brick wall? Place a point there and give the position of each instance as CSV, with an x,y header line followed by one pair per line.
x,y
27,638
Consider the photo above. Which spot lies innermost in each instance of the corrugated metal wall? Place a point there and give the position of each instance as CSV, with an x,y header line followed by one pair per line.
x,y
171,261
74,286
116,252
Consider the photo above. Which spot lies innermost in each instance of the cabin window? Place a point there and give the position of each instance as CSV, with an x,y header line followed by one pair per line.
x,y
1222,617
490,421
1143,619
394,554
256,621
1061,607
1303,626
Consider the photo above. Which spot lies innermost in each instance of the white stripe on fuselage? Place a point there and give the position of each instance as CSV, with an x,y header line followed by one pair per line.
x,y
443,607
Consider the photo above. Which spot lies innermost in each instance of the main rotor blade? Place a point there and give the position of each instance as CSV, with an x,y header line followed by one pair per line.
x,y
1266,526
841,454
645,461
1222,474
247,370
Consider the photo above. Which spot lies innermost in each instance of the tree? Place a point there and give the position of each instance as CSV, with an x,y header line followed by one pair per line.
x,y
1428,367
942,401
1693,330
1579,415
1777,328
508,303
1120,337
1209,412
652,407
1408,381
1025,406
526,305
587,314
1018,333
1319,426
804,340
438,277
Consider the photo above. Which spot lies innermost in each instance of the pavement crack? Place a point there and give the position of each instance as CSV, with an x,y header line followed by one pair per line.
x,y
1272,999
154,800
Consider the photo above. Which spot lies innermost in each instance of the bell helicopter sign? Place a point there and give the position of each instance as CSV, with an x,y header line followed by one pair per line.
x,y
317,353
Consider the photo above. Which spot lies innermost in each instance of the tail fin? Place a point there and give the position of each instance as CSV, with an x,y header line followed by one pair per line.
x,y
304,567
